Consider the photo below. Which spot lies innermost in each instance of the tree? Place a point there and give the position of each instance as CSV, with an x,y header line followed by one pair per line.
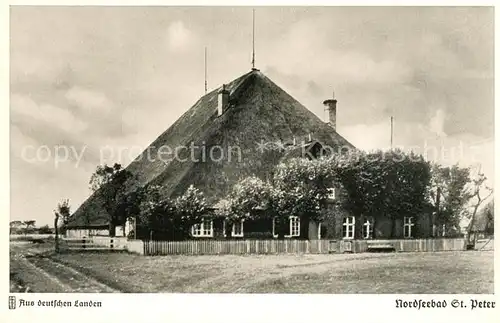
x,y
301,187
489,211
170,219
244,200
30,225
110,182
392,183
62,212
478,192
449,194
298,186
153,213
129,208
15,226
189,209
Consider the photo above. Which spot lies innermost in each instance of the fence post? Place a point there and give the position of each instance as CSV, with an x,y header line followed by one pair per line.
x,y
307,246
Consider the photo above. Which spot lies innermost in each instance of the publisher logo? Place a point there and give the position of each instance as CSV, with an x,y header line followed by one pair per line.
x,y
12,302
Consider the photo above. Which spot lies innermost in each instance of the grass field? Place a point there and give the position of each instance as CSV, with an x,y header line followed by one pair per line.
x,y
441,272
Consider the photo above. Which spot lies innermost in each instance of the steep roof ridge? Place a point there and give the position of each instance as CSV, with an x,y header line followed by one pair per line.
x,y
234,87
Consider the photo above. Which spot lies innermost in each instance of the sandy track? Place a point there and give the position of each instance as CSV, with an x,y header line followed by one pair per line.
x,y
41,274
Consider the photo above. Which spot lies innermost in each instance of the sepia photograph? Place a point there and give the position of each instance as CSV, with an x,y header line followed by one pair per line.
x,y
251,150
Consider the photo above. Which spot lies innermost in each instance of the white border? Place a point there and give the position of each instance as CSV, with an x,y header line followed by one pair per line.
x,y
225,307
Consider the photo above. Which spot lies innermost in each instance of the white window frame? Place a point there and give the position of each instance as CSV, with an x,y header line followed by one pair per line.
x,y
348,224
291,218
319,231
408,223
233,232
200,230
368,229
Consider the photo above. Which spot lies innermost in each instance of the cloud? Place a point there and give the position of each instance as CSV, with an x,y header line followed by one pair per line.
x,y
306,51
50,115
179,38
437,123
91,102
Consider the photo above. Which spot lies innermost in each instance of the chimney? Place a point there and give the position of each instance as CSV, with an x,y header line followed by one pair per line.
x,y
222,100
331,107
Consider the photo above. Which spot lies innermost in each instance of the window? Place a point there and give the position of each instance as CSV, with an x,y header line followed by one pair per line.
x,y
294,226
237,230
203,229
293,229
368,229
331,193
408,225
348,227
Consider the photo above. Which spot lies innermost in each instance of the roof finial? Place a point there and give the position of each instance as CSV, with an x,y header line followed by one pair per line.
x,y
253,39
206,88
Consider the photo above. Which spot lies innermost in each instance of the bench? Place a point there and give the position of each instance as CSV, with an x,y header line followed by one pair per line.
x,y
380,247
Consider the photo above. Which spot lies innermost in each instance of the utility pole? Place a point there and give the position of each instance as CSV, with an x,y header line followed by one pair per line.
x,y
206,87
392,130
253,39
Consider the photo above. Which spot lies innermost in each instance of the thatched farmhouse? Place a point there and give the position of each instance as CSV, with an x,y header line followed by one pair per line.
x,y
247,113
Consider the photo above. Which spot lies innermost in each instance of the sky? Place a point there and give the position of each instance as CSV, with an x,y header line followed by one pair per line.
x,y
90,85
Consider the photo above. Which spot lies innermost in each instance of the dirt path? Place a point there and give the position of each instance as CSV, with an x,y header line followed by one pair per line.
x,y
36,272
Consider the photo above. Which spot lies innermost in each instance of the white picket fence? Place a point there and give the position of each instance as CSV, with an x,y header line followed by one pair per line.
x,y
240,247
218,247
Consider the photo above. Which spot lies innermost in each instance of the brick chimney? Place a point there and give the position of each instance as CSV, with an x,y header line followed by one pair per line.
x,y
331,107
222,100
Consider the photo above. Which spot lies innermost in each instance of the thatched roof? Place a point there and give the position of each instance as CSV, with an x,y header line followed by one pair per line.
x,y
259,111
